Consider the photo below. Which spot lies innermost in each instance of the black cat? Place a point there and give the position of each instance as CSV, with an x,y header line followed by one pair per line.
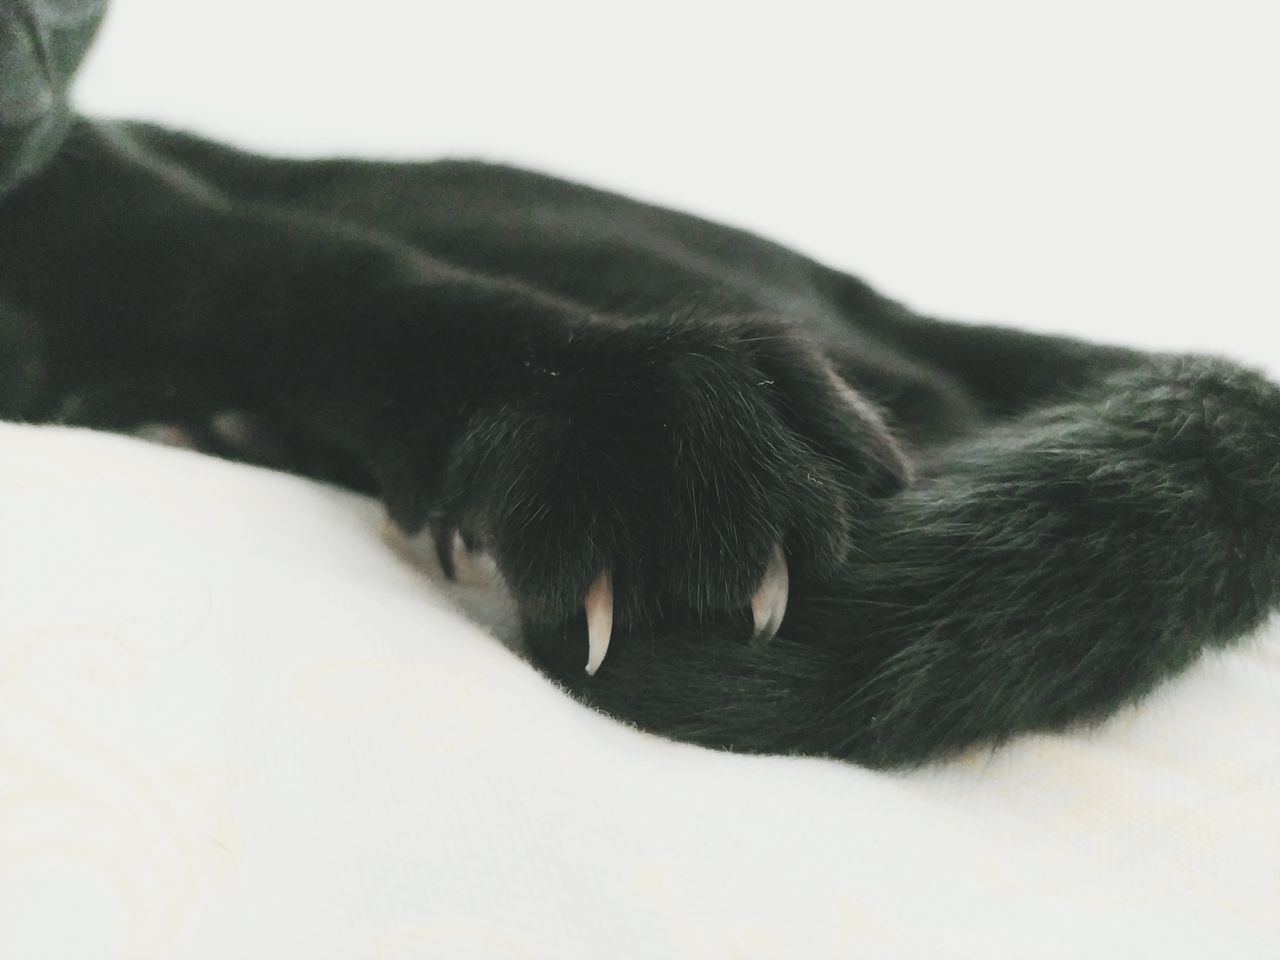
x,y
799,517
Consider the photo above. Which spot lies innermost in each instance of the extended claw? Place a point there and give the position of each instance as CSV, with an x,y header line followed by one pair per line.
x,y
446,541
769,605
460,557
599,604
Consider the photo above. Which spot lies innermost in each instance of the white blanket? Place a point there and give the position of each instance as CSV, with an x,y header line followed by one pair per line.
x,y
234,724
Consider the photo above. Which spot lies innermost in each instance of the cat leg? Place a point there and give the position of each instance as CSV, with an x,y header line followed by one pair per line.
x,y
659,471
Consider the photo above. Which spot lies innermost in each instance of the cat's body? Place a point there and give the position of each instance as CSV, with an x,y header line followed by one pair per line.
x,y
985,531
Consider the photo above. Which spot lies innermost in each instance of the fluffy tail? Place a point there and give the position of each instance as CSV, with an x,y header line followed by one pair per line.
x,y
1048,570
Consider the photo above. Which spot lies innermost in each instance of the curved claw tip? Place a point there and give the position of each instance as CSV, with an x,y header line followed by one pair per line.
x,y
447,546
599,605
769,605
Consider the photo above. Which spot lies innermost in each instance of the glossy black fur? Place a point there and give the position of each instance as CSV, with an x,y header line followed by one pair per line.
x,y
988,532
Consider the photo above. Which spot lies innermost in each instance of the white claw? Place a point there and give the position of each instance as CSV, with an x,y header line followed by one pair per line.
x,y
769,605
457,550
599,604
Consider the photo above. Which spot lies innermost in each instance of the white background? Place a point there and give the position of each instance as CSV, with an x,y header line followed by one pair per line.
x,y
1107,169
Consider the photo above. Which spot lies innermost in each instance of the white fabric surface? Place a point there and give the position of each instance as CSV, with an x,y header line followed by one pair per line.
x,y
233,723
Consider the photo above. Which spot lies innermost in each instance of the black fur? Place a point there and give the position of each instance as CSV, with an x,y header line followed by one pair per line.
x,y
988,532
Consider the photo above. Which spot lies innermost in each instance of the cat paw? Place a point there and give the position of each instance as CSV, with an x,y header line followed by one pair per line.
x,y
661,473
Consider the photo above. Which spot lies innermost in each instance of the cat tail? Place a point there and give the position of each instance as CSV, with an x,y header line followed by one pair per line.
x,y
1054,567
